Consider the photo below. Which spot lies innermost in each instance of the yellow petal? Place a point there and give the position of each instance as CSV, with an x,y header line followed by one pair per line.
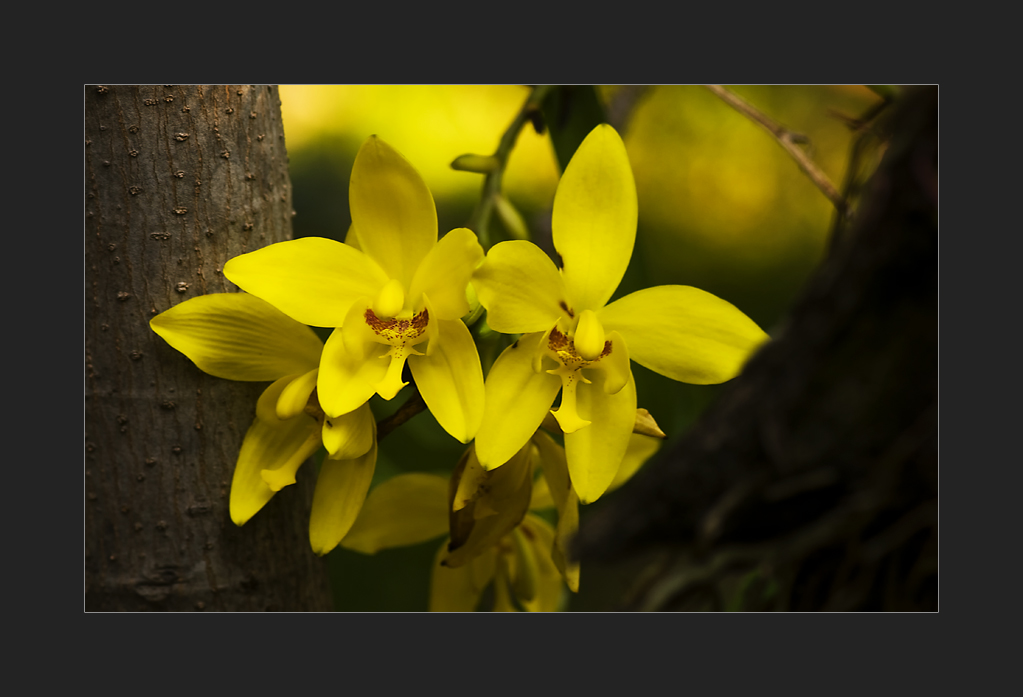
x,y
450,379
350,435
641,448
346,382
266,405
459,589
517,398
340,492
237,336
594,218
284,474
405,510
684,333
595,452
392,209
445,272
312,279
521,288
269,446
295,396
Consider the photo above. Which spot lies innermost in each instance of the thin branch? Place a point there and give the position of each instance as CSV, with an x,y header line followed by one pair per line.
x,y
479,221
788,140
412,406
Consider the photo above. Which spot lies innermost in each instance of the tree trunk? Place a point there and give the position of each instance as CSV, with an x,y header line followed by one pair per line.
x,y
179,179
811,483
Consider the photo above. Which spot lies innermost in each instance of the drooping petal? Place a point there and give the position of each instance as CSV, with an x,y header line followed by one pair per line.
x,y
445,272
312,279
684,333
555,473
641,448
269,446
284,474
266,405
392,209
517,398
340,492
346,382
594,453
350,435
450,379
459,589
594,218
405,510
295,396
237,336
521,288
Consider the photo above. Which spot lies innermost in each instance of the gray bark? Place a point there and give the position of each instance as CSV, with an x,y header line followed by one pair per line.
x,y
179,179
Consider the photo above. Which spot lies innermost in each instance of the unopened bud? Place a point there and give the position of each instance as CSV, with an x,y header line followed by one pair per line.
x,y
481,164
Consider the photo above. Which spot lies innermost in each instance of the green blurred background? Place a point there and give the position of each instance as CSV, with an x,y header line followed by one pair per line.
x,y
721,207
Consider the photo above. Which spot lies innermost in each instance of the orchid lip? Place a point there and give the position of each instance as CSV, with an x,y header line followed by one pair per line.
x,y
399,331
402,335
570,365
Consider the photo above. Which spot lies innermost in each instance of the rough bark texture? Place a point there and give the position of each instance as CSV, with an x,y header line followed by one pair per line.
x,y
179,179
811,484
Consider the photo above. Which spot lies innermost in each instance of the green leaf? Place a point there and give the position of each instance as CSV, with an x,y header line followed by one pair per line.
x,y
571,112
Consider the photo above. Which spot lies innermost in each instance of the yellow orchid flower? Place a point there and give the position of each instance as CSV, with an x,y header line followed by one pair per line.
x,y
494,537
398,297
237,336
574,343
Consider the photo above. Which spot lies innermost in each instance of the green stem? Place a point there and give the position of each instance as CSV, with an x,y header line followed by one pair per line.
x,y
479,221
